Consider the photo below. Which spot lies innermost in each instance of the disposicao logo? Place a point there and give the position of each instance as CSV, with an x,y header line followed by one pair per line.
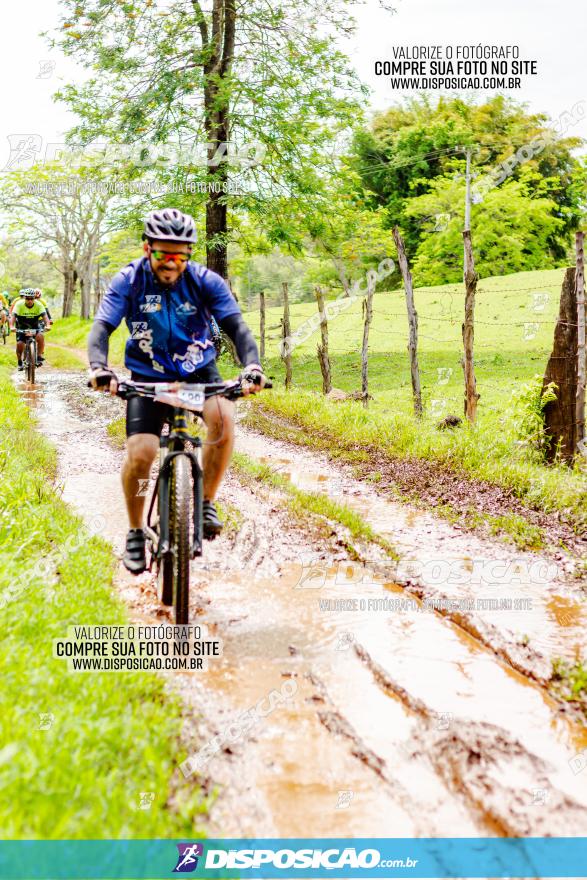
x,y
187,861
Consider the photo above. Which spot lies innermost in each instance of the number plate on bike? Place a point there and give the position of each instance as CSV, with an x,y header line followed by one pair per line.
x,y
30,332
192,398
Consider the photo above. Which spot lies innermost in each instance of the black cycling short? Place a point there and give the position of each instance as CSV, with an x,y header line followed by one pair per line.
x,y
144,416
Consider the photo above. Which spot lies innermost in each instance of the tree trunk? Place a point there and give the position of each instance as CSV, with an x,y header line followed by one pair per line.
x,y
286,337
339,265
368,314
470,276
70,281
580,296
322,349
217,124
86,292
97,288
216,229
412,322
560,414
262,324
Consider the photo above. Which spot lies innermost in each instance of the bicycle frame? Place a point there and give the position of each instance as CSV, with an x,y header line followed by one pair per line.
x,y
174,445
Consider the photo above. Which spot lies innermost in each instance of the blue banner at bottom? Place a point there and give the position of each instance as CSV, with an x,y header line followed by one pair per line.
x,y
300,857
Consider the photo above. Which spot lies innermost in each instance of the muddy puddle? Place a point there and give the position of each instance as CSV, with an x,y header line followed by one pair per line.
x,y
519,601
395,720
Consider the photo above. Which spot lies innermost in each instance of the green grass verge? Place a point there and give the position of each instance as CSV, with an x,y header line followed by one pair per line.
x,y
515,318
112,735
514,325
116,431
74,331
56,357
301,502
62,359
347,430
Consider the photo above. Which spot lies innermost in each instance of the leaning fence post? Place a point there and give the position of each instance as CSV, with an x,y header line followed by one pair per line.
x,y
580,291
412,321
470,277
262,325
368,314
322,348
286,337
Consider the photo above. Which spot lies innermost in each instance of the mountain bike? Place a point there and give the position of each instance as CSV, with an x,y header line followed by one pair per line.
x,y
174,526
29,356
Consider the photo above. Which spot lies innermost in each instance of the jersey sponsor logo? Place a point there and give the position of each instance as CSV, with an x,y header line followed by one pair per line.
x,y
194,355
140,330
186,308
152,303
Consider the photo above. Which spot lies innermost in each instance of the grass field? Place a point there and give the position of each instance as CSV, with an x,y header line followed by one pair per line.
x,y
515,318
77,749
514,324
512,343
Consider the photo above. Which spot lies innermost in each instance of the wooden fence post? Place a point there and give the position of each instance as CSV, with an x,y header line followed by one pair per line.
x,y
412,321
262,325
368,314
286,337
470,277
560,415
580,293
322,348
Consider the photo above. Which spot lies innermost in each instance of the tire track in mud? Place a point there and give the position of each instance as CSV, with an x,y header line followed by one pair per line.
x,y
522,605
401,723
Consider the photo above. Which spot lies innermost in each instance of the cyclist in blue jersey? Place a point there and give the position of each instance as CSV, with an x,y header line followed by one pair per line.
x,y
167,302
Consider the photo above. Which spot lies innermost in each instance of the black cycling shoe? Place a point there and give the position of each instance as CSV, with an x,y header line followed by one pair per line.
x,y
21,366
212,525
39,363
135,558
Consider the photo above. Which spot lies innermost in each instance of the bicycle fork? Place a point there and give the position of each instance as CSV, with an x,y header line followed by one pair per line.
x,y
162,491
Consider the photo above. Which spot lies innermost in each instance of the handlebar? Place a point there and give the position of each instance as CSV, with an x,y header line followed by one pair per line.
x,y
127,388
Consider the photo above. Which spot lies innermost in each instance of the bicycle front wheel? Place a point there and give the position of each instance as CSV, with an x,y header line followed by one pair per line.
x,y
32,361
180,521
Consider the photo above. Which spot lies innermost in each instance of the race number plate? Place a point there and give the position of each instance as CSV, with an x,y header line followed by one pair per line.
x,y
195,397
192,398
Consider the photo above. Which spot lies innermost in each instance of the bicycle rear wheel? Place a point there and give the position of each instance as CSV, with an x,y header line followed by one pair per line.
x,y
179,523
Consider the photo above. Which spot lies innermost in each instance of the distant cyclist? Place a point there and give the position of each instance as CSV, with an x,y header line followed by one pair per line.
x,y
27,313
39,297
4,307
167,302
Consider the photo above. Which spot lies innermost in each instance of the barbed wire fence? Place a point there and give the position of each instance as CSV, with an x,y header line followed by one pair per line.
x,y
341,358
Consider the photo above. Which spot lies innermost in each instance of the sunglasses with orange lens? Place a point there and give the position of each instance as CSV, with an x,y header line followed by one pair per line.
x,y
161,256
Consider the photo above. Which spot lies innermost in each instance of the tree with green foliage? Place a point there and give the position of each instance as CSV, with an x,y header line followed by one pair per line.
x,y
55,207
412,144
22,267
512,227
217,79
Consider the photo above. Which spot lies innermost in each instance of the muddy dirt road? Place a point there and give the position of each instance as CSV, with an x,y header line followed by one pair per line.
x,y
407,714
